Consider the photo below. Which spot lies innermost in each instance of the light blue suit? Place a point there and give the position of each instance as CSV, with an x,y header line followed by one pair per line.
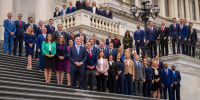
x,y
9,27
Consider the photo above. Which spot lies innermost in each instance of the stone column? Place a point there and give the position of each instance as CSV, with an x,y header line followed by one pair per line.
x,y
182,11
187,10
197,10
174,9
161,4
138,3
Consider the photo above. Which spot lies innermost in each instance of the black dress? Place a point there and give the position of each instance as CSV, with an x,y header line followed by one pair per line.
x,y
157,85
48,62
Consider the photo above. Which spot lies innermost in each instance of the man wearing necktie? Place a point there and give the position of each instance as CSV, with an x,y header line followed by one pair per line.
x,y
80,34
152,39
192,40
101,11
109,39
77,58
139,76
109,13
56,34
175,35
41,37
80,4
176,86
163,33
19,35
184,35
70,9
139,40
101,48
50,27
9,32
30,19
167,81
111,50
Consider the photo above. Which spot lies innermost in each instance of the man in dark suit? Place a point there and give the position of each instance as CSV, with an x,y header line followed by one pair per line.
x,y
101,48
19,35
93,48
111,50
77,57
94,8
167,81
70,31
192,40
163,33
30,19
109,39
184,35
176,86
160,63
80,4
70,9
151,38
108,13
95,40
63,11
60,31
105,46
101,11
50,27
139,76
80,34
116,42
175,36
139,40
39,28
90,66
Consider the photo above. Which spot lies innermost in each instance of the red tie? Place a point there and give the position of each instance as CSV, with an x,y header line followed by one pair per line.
x,y
20,23
115,42
162,29
107,13
81,2
70,8
41,29
151,30
175,26
89,53
181,27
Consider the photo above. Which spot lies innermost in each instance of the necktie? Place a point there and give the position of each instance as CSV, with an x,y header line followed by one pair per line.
x,y
20,23
162,29
51,27
174,74
138,65
110,51
152,30
89,53
109,40
10,21
70,8
107,13
41,29
181,27
115,42
77,48
175,26
166,71
81,2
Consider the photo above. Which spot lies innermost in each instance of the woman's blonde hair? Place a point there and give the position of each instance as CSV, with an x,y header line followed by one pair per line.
x,y
127,53
31,30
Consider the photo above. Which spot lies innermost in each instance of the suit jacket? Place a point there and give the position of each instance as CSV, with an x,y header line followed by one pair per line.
x,y
75,57
177,77
78,35
193,36
107,41
20,30
149,73
129,69
116,44
50,29
38,31
29,39
105,67
97,42
91,61
62,12
184,32
96,11
39,41
114,52
64,51
120,65
167,79
79,6
113,69
45,48
162,34
139,36
174,32
152,36
160,65
105,52
73,9
9,27
55,36
89,9
109,15
101,12
56,15
139,73
34,27
94,50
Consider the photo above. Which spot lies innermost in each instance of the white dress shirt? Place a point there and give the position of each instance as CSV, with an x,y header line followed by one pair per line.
x,y
101,64
94,10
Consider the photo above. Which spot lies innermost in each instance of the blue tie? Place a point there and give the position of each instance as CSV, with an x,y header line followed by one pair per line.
x,y
174,74
138,65
191,31
77,48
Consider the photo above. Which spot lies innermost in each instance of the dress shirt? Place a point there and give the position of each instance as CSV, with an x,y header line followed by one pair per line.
x,y
101,63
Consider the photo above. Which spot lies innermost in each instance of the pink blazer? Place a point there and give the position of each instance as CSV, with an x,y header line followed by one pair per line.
x,y
105,67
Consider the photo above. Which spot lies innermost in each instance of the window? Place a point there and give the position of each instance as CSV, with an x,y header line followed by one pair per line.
x,y
167,8
193,11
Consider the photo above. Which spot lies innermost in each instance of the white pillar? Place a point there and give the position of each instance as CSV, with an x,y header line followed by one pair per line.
x,y
190,11
182,13
42,10
197,10
174,8
161,4
138,3
187,10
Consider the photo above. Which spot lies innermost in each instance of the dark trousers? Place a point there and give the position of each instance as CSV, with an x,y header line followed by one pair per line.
x,y
8,42
147,88
41,61
177,90
164,47
77,72
101,83
128,82
138,87
19,40
138,47
89,77
120,85
192,47
152,46
176,41
112,84
36,54
183,46
169,88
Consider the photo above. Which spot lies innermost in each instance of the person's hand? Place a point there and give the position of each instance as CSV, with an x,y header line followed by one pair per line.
x,y
102,72
15,36
76,63
133,78
30,45
189,39
11,33
179,37
38,50
171,85
116,77
138,41
156,41
61,57
119,72
127,44
158,38
144,80
165,38
152,81
147,41
171,38
175,83
92,67
185,39
163,86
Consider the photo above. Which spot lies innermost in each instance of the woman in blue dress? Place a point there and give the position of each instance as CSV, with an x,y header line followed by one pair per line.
x,y
30,40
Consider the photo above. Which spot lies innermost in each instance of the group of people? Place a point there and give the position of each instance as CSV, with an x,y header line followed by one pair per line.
x,y
81,4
